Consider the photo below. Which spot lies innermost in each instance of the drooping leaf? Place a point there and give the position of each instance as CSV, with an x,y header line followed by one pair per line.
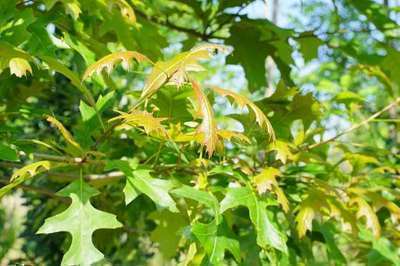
x,y
176,68
80,220
108,62
268,235
365,210
19,67
266,180
242,102
216,239
64,132
208,125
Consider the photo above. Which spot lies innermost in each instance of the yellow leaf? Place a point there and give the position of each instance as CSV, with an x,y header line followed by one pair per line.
x,y
143,119
108,62
266,180
126,11
64,132
364,209
19,66
27,172
175,69
73,9
30,170
282,149
199,136
208,126
310,209
242,102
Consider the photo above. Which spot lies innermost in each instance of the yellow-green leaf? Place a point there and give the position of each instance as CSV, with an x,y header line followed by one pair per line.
x,y
64,132
143,119
242,102
108,62
175,69
19,67
27,172
364,209
208,126
266,180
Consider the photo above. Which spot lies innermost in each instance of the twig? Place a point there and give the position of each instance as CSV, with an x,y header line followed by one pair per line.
x,y
354,127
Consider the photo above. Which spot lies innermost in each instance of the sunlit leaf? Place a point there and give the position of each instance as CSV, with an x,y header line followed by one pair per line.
x,y
266,180
143,119
242,102
19,67
176,67
208,125
108,62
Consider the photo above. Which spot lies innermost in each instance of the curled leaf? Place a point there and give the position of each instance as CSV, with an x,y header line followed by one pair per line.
x,y
242,102
64,132
108,62
208,126
26,172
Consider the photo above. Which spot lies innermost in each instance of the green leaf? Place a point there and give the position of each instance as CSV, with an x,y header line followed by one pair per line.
x,y
267,233
7,153
253,41
309,45
168,231
80,219
205,198
140,181
216,238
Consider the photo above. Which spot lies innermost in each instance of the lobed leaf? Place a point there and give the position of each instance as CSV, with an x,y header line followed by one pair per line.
x,y
242,102
108,62
80,220
176,67
208,126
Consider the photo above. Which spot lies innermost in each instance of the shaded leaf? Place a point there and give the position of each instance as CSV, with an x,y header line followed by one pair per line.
x,y
216,239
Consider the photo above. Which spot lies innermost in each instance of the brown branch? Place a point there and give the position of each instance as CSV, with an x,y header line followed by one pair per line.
x,y
354,127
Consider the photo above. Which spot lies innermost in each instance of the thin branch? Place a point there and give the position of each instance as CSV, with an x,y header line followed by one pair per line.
x,y
354,127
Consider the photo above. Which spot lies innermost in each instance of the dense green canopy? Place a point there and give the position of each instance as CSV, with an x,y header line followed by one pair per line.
x,y
155,132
